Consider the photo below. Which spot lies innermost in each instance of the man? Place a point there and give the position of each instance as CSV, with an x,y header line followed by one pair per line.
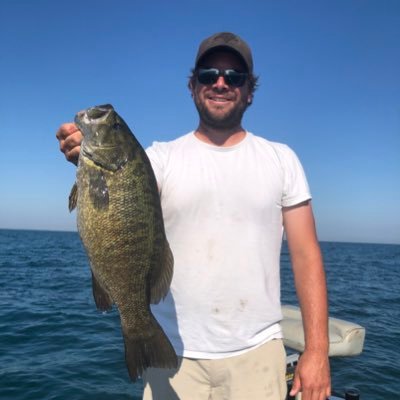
x,y
226,195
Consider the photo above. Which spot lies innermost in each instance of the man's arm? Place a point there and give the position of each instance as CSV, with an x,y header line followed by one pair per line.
x,y
312,375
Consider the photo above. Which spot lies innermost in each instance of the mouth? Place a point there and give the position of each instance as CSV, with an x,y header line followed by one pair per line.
x,y
99,112
219,99
93,114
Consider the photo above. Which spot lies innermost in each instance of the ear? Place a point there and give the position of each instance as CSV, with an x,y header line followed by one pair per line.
x,y
191,85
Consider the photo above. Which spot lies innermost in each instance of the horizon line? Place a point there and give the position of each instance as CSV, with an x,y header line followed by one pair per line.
x,y
284,240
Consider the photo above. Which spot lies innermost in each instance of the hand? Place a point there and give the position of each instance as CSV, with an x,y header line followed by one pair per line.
x,y
312,376
70,139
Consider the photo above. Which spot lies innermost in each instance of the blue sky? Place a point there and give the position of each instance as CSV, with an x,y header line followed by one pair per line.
x,y
329,88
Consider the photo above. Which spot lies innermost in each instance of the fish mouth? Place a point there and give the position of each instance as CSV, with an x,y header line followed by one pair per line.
x,y
99,112
95,113
90,121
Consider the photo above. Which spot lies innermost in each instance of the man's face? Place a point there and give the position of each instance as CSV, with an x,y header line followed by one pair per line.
x,y
221,106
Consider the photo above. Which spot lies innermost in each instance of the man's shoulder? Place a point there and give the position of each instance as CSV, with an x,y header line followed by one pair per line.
x,y
278,148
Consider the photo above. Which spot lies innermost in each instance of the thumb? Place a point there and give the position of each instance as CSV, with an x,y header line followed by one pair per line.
x,y
296,387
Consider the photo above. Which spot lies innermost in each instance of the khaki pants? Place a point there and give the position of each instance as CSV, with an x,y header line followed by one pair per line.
x,y
257,375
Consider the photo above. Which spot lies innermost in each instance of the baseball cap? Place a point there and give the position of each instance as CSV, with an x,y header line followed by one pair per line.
x,y
228,41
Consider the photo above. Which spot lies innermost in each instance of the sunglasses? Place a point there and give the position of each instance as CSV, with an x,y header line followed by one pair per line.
x,y
208,76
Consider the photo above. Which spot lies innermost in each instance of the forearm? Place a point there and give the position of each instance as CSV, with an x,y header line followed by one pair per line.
x,y
312,294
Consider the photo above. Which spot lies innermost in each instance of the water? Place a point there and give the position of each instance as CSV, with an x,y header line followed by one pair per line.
x,y
55,345
363,282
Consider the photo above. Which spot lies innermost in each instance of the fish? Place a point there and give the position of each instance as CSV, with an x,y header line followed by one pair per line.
x,y
120,223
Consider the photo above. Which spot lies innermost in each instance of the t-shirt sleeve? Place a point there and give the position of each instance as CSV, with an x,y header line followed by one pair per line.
x,y
157,156
295,187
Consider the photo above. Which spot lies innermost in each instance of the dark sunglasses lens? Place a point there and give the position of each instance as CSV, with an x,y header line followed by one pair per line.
x,y
207,76
210,76
235,78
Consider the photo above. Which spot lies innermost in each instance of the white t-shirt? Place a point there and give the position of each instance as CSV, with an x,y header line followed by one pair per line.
x,y
222,208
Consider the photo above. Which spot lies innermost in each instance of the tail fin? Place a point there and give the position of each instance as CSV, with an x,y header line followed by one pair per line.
x,y
154,351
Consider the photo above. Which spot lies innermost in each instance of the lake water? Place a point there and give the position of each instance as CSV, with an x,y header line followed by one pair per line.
x,y
55,345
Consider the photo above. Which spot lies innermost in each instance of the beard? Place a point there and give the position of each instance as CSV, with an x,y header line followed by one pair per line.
x,y
230,119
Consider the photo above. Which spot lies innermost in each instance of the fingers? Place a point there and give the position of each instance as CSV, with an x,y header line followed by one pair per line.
x,y
70,138
315,395
310,393
312,378
296,386
65,130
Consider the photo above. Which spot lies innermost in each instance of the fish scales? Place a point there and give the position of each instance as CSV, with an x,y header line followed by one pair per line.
x,y
121,226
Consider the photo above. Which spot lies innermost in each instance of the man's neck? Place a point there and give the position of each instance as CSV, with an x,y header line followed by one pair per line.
x,y
220,137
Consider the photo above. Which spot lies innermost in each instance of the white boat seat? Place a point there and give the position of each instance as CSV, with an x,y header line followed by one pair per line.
x,y
345,338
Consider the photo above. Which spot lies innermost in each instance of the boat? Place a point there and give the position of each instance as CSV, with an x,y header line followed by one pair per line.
x,y
346,339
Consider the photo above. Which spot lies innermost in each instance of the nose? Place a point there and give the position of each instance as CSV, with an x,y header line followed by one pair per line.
x,y
220,84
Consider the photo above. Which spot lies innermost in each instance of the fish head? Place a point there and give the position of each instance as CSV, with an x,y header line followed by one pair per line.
x,y
107,139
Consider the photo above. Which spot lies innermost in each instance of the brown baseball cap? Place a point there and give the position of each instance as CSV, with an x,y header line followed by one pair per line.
x,y
228,41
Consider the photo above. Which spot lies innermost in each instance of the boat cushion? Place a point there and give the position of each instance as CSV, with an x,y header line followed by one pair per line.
x,y
345,338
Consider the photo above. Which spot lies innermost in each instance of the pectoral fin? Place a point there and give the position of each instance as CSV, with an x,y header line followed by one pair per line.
x,y
73,197
162,276
101,297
